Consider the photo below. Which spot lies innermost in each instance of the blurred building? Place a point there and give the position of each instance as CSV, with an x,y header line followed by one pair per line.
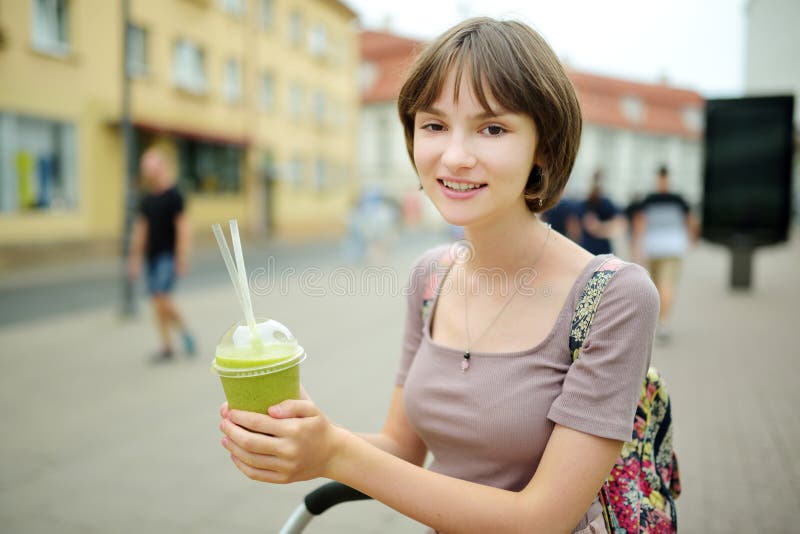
x,y
630,128
259,99
771,65
384,164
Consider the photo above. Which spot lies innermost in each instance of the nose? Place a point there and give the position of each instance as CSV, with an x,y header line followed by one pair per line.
x,y
458,153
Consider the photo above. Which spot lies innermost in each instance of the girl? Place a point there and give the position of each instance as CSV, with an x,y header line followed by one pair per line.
x,y
522,438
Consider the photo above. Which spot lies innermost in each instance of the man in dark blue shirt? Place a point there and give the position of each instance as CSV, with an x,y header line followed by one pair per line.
x,y
600,219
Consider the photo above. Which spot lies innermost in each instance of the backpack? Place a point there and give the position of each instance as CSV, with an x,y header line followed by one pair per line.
x,y
639,494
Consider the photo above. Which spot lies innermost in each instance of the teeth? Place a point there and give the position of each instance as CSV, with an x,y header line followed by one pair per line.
x,y
459,186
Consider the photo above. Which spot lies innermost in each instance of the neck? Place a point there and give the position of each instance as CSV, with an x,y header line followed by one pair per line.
x,y
510,243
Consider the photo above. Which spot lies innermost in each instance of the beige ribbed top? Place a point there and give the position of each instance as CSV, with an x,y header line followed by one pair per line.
x,y
491,424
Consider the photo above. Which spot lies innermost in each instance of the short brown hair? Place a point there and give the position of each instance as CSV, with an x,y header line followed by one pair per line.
x,y
524,76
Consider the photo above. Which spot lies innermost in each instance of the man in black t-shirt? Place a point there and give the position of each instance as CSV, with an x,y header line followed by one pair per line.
x,y
161,236
665,228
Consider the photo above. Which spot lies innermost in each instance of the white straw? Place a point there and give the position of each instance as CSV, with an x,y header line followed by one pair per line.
x,y
226,256
243,285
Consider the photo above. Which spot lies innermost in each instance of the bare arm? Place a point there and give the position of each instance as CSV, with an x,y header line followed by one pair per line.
x,y
136,247
398,437
183,238
570,474
693,227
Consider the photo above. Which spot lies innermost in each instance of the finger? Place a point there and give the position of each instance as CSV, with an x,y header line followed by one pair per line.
x,y
250,441
262,475
258,461
255,422
294,408
224,409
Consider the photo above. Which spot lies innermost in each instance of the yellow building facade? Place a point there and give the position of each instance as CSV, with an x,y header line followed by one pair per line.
x,y
258,98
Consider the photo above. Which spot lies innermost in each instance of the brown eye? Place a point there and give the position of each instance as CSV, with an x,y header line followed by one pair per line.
x,y
493,130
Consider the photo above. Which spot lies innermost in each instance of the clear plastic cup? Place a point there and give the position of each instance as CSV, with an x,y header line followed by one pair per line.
x,y
256,376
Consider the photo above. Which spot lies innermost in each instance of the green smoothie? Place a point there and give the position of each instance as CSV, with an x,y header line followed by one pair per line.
x,y
258,374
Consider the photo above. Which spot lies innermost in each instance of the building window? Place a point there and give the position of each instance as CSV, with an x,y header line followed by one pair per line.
x,y
367,75
189,67
267,96
267,14
37,164
136,61
320,174
51,26
295,28
209,167
317,40
692,119
296,171
632,108
320,105
296,97
232,82
232,7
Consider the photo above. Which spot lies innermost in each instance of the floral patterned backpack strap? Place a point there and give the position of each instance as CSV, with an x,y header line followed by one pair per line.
x,y
588,303
585,310
438,271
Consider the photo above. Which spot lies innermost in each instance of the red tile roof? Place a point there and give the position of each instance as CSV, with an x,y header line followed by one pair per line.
x,y
601,97
391,56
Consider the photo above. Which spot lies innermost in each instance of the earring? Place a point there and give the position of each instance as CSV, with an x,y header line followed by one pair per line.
x,y
540,202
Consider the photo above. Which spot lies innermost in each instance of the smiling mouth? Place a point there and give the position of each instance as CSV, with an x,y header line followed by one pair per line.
x,y
460,186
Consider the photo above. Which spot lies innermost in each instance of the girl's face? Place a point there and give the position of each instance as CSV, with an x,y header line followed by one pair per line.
x,y
473,165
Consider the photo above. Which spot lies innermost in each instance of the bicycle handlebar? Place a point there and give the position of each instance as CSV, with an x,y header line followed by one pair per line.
x,y
331,494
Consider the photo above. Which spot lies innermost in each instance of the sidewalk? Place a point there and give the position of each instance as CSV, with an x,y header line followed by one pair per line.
x,y
97,440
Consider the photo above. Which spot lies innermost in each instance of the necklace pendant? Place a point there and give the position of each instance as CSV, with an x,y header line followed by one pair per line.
x,y
465,362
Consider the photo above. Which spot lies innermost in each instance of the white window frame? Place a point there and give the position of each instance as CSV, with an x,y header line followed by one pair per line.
x,y
266,99
633,108
320,103
318,41
296,171
297,96
267,14
189,70
60,137
295,27
49,34
232,80
136,60
236,8
321,174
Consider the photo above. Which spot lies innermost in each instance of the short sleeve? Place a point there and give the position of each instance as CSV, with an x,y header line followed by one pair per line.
x,y
684,205
601,389
609,210
177,204
419,287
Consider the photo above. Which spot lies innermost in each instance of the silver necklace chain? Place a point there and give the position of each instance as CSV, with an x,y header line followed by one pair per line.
x,y
467,355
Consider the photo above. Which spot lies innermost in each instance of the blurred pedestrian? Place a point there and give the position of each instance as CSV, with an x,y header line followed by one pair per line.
x,y
634,244
665,225
563,218
161,240
600,219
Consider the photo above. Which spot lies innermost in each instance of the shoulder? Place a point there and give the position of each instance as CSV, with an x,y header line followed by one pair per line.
x,y
435,255
628,283
175,193
429,266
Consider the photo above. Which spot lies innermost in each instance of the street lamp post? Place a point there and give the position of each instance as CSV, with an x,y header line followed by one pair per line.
x,y
128,308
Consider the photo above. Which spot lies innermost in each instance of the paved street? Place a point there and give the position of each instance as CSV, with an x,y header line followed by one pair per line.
x,y
96,440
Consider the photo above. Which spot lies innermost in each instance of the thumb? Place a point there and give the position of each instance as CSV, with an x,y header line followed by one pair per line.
x,y
293,408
